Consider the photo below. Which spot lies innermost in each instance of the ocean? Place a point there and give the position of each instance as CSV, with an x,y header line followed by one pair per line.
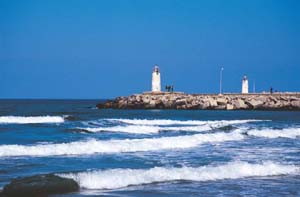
x,y
151,152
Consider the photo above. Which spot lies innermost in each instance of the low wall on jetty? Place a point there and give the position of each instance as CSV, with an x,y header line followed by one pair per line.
x,y
178,100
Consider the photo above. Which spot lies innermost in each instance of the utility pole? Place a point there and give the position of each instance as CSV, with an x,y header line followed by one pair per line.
x,y
221,78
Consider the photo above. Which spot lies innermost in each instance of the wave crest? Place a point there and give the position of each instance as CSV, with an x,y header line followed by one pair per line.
x,y
117,178
139,126
116,146
143,129
275,133
136,129
30,119
179,122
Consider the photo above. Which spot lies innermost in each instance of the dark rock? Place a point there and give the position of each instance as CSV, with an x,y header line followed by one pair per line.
x,y
40,185
106,105
71,118
100,105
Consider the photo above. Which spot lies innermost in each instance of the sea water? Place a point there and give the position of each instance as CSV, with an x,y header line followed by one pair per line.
x,y
151,152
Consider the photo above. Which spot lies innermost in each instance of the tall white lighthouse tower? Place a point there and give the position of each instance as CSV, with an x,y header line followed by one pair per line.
x,y
245,85
156,87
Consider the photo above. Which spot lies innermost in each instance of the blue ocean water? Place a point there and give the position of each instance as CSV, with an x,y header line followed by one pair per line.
x,y
151,152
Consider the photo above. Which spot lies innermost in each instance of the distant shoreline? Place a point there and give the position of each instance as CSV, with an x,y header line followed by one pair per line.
x,y
227,101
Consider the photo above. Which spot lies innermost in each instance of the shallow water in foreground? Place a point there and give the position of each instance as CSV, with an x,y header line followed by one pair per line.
x,y
151,152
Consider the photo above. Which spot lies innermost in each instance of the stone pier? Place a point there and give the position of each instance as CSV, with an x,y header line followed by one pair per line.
x,y
178,100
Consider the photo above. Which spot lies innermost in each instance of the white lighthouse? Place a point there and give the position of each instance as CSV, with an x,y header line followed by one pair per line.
x,y
156,87
245,85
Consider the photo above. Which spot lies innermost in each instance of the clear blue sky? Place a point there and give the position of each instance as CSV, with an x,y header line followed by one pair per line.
x,y
103,49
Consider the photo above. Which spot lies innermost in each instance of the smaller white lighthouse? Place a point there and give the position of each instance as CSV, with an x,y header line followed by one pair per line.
x,y
156,87
245,85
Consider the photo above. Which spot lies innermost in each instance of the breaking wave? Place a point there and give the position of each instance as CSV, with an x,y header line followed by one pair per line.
x,y
143,129
137,129
30,119
276,133
152,126
93,146
179,122
117,178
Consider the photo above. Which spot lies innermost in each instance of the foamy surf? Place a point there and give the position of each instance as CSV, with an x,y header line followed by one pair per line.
x,y
136,129
93,146
154,126
30,119
143,129
118,178
179,122
275,133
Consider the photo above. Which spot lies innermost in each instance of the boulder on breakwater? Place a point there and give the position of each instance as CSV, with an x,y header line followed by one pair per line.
x,y
39,185
167,100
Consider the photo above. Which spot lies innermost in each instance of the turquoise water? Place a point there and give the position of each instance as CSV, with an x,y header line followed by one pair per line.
x,y
151,152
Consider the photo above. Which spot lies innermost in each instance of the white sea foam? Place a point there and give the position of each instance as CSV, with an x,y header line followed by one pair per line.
x,y
116,146
276,133
30,119
151,126
143,129
137,129
117,178
179,122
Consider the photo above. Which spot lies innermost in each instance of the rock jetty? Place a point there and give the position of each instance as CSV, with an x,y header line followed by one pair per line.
x,y
167,100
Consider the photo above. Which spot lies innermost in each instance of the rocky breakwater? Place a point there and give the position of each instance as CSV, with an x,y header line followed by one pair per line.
x,y
205,101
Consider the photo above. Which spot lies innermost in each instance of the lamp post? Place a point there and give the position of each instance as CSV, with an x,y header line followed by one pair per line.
x,y
221,78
